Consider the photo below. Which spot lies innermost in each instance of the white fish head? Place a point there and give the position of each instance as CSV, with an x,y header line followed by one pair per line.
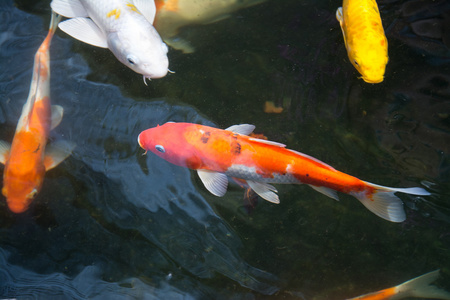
x,y
141,49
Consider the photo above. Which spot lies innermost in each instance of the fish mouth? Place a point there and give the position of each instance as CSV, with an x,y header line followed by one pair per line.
x,y
149,77
17,208
373,80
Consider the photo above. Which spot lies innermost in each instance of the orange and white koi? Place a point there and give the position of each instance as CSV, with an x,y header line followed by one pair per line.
x,y
27,159
217,154
123,26
171,15
364,38
419,287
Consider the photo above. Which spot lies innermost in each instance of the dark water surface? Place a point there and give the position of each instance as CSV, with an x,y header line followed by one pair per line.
x,y
112,223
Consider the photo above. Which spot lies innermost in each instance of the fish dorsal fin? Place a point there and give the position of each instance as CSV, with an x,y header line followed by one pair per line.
x,y
57,115
56,152
265,191
244,129
272,143
214,182
69,8
85,30
326,191
5,147
146,8
314,159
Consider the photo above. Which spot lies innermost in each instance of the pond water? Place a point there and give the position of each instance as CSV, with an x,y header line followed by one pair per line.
x,y
112,223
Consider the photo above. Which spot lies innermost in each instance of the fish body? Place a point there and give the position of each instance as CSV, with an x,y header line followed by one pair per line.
x,y
418,287
218,154
26,160
364,38
171,15
125,27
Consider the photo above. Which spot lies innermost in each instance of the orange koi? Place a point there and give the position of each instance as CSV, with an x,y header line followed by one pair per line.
x,y
218,154
364,38
418,287
27,159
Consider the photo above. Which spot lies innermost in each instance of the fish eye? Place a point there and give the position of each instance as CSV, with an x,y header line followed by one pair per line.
x,y
160,148
132,59
356,63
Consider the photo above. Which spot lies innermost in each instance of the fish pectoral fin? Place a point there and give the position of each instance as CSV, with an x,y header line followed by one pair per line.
x,y
56,152
69,8
264,190
146,8
340,18
57,115
217,19
179,44
214,182
5,147
340,15
244,129
85,30
326,191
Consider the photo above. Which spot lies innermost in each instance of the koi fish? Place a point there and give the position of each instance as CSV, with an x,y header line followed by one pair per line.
x,y
123,26
364,38
27,159
418,287
218,154
171,15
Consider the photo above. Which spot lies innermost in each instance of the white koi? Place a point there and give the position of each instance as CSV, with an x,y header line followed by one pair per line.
x,y
123,26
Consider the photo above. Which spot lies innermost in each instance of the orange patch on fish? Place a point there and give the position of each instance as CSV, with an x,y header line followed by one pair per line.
x,y
133,8
171,5
115,12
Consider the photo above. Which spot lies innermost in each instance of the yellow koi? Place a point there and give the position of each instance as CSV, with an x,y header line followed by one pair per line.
x,y
364,38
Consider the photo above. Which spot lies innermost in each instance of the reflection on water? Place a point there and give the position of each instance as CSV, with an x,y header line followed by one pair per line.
x,y
111,221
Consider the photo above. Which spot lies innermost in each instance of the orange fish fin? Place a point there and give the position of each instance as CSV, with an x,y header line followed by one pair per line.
x,y
265,191
214,182
326,191
244,129
5,147
56,153
146,8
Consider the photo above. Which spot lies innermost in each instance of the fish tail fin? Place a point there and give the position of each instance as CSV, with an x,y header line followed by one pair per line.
x,y
55,19
421,287
381,200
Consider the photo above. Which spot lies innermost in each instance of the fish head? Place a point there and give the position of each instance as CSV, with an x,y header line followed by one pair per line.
x,y
141,49
370,61
20,192
169,142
